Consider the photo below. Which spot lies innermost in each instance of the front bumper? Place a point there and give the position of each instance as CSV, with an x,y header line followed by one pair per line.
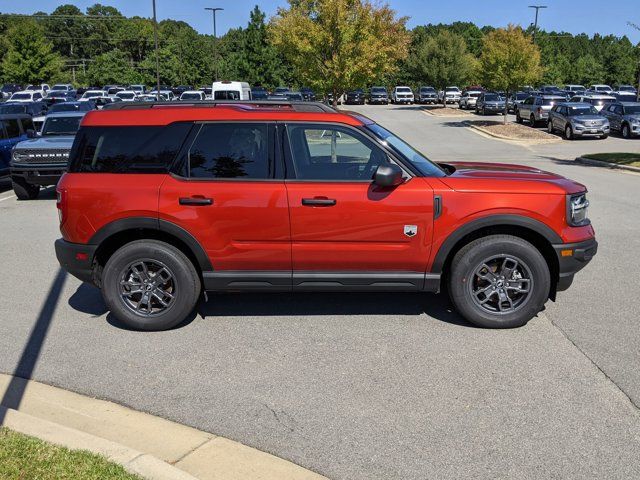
x,y
42,175
588,131
378,100
573,257
76,258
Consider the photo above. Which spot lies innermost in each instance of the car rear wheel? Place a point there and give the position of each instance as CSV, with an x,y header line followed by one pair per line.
x,y
23,189
568,132
499,281
626,131
150,285
532,120
550,126
518,117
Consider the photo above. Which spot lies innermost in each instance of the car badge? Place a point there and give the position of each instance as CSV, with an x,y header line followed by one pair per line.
x,y
410,230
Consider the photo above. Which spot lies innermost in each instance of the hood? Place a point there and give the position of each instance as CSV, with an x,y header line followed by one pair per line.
x,y
44,143
507,178
590,118
633,117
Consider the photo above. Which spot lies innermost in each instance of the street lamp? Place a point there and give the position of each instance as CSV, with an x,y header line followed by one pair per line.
x,y
535,25
213,10
155,37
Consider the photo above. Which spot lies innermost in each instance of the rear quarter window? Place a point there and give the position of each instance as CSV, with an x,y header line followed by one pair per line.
x,y
131,149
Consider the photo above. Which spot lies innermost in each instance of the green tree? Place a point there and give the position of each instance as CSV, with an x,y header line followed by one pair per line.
x,y
112,68
338,44
29,56
587,70
441,60
509,60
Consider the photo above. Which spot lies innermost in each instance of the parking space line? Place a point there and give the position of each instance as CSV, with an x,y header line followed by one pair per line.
x,y
7,198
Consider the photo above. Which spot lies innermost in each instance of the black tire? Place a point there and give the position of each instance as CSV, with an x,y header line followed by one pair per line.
x,y
550,127
518,117
568,132
186,286
484,112
605,136
626,131
24,190
532,120
471,256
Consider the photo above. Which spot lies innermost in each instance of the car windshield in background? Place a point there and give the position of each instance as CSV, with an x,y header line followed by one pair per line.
x,y
551,101
378,90
521,96
21,96
601,101
92,94
9,109
226,95
404,90
626,88
492,97
190,96
427,89
127,96
577,111
61,126
632,109
419,161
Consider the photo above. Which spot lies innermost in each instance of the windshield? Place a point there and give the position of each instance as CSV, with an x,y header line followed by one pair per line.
x,y
127,96
21,96
626,88
419,161
8,109
65,107
551,101
403,89
521,96
378,90
427,89
577,111
451,89
632,109
601,101
226,95
191,96
491,97
61,126
92,94
58,87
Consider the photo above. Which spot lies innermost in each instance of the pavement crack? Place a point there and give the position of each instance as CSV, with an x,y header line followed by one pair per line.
x,y
565,335
287,422
191,451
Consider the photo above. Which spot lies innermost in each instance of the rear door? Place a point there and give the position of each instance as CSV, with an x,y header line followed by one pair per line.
x,y
344,228
227,195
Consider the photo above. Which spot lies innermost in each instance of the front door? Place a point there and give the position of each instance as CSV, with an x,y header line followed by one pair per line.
x,y
344,228
226,196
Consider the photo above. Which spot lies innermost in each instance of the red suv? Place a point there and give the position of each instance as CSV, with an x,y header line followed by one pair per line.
x,y
164,201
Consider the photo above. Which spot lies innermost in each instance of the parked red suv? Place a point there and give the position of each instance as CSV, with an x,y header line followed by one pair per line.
x,y
165,201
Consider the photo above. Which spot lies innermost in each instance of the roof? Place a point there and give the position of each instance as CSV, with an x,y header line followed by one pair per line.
x,y
164,113
67,114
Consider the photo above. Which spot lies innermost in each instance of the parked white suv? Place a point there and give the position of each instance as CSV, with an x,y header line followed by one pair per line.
x,y
602,89
468,99
27,96
449,95
402,94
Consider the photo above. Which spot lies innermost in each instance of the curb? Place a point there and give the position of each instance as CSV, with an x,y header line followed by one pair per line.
x,y
150,446
133,461
551,139
600,163
430,111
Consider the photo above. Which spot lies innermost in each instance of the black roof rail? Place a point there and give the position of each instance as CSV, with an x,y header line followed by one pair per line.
x,y
296,105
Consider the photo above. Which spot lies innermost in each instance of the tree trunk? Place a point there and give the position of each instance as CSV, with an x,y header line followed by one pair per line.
x,y
334,102
506,106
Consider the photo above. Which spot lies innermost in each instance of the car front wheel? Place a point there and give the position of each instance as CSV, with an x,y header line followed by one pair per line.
x,y
150,285
626,132
23,189
499,281
568,133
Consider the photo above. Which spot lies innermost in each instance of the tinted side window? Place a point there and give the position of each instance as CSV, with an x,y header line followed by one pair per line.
x,y
230,150
332,153
27,124
12,128
127,149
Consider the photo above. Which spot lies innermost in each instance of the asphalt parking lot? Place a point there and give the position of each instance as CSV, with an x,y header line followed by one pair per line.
x,y
365,386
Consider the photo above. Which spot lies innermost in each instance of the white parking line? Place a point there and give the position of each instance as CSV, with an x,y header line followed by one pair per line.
x,y
7,198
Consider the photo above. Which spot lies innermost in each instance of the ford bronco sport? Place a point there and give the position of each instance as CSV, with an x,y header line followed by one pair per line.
x,y
165,201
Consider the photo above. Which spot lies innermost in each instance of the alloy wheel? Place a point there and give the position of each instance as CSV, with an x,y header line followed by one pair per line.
x,y
501,284
147,287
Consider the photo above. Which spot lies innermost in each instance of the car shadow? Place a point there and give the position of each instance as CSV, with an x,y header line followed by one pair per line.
x,y
5,184
88,299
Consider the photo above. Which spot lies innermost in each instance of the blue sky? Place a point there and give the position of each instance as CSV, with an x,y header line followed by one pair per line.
x,y
575,16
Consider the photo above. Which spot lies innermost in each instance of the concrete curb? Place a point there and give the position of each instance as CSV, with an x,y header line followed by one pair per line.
x,y
600,163
133,461
551,139
461,114
152,447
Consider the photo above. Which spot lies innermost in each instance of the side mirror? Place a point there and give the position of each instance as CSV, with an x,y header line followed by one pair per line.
x,y
388,176
31,133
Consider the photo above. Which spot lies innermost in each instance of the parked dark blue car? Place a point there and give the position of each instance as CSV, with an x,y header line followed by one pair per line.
x,y
13,129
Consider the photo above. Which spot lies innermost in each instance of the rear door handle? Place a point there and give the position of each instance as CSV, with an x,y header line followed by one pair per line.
x,y
318,202
196,201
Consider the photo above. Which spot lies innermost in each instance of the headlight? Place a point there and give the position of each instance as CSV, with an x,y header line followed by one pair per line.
x,y
577,206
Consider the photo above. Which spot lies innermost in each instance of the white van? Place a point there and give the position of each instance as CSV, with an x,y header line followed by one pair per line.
x,y
230,91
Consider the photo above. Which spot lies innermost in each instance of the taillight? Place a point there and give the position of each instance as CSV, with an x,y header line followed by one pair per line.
x,y
539,109
60,203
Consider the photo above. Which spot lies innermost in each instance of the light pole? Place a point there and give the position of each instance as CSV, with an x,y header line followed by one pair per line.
x,y
213,10
155,37
535,24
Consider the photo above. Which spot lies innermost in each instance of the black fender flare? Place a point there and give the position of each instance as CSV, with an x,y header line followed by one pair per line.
x,y
491,221
151,223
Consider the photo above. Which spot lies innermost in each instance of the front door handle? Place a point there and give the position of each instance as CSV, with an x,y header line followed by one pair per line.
x,y
196,201
318,202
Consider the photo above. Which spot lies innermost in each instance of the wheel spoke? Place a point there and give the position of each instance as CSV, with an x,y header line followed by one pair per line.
x,y
509,265
486,273
147,287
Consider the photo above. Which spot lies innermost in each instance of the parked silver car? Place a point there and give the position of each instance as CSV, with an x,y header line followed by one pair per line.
x,y
597,100
624,117
577,120
536,108
468,99
490,102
